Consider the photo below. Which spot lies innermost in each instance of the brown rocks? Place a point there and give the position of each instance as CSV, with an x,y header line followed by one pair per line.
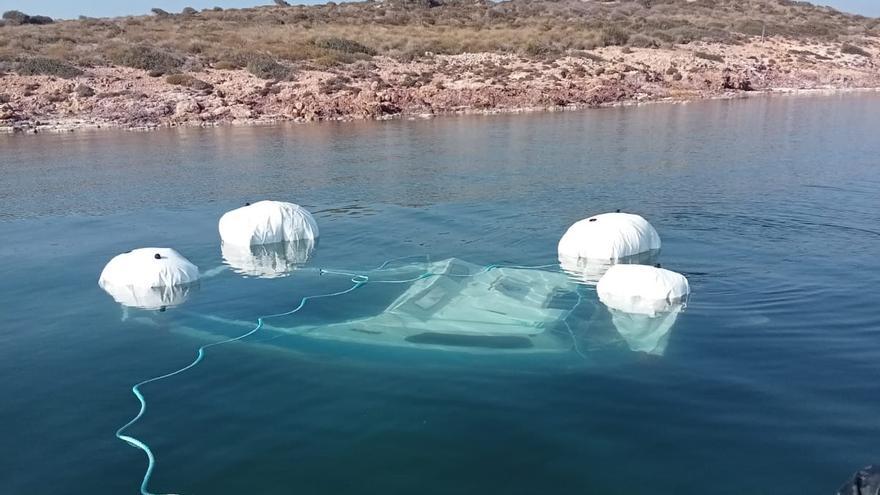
x,y
736,82
7,112
187,107
84,91
384,88
241,113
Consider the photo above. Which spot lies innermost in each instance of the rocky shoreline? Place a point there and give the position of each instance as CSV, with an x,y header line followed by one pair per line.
x,y
384,88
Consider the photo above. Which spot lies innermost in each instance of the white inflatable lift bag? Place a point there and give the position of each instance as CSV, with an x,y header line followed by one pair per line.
x,y
644,303
139,279
608,237
641,289
267,222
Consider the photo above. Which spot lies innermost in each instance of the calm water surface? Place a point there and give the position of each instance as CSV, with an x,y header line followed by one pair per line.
x,y
768,384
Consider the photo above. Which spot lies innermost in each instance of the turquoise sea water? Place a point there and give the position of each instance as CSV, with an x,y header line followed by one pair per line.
x,y
767,385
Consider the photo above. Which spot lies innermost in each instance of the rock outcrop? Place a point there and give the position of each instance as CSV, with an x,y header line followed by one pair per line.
x,y
438,84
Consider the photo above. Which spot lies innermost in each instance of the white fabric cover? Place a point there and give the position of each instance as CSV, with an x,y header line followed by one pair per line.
x,y
268,260
609,237
137,279
641,289
267,222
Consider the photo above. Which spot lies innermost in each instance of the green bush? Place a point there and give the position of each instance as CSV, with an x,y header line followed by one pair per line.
x,y
189,81
14,17
344,45
266,67
226,65
589,56
642,41
709,56
147,58
84,91
854,50
40,20
44,66
613,36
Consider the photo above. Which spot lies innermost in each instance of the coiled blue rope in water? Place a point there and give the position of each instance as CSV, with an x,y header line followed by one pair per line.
x,y
357,280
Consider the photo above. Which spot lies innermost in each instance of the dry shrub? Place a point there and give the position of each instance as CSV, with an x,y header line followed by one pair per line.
x,y
17,18
854,50
709,56
84,91
41,66
155,61
344,46
536,49
265,66
613,35
332,34
642,41
189,81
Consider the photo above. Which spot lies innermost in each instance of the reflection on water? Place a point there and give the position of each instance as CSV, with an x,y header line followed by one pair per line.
x,y
589,271
268,260
150,298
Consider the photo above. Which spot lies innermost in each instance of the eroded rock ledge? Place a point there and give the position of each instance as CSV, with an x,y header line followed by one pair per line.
x,y
467,83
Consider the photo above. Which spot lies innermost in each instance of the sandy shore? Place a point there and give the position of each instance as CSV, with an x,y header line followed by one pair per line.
x,y
470,83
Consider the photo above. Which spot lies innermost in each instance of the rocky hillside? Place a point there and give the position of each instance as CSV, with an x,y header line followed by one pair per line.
x,y
398,57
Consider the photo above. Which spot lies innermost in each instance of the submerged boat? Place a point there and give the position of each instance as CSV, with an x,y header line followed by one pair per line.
x,y
446,305
456,306
465,306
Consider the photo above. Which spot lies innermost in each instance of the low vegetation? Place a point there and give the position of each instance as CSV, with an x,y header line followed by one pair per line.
x,y
155,61
17,18
42,66
273,41
854,50
709,56
189,81
266,67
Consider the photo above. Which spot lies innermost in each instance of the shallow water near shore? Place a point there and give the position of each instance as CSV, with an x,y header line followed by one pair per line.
x,y
767,383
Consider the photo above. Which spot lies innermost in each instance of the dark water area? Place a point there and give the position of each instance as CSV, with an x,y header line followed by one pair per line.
x,y
768,383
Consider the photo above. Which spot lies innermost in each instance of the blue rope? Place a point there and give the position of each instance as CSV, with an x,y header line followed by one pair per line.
x,y
358,280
